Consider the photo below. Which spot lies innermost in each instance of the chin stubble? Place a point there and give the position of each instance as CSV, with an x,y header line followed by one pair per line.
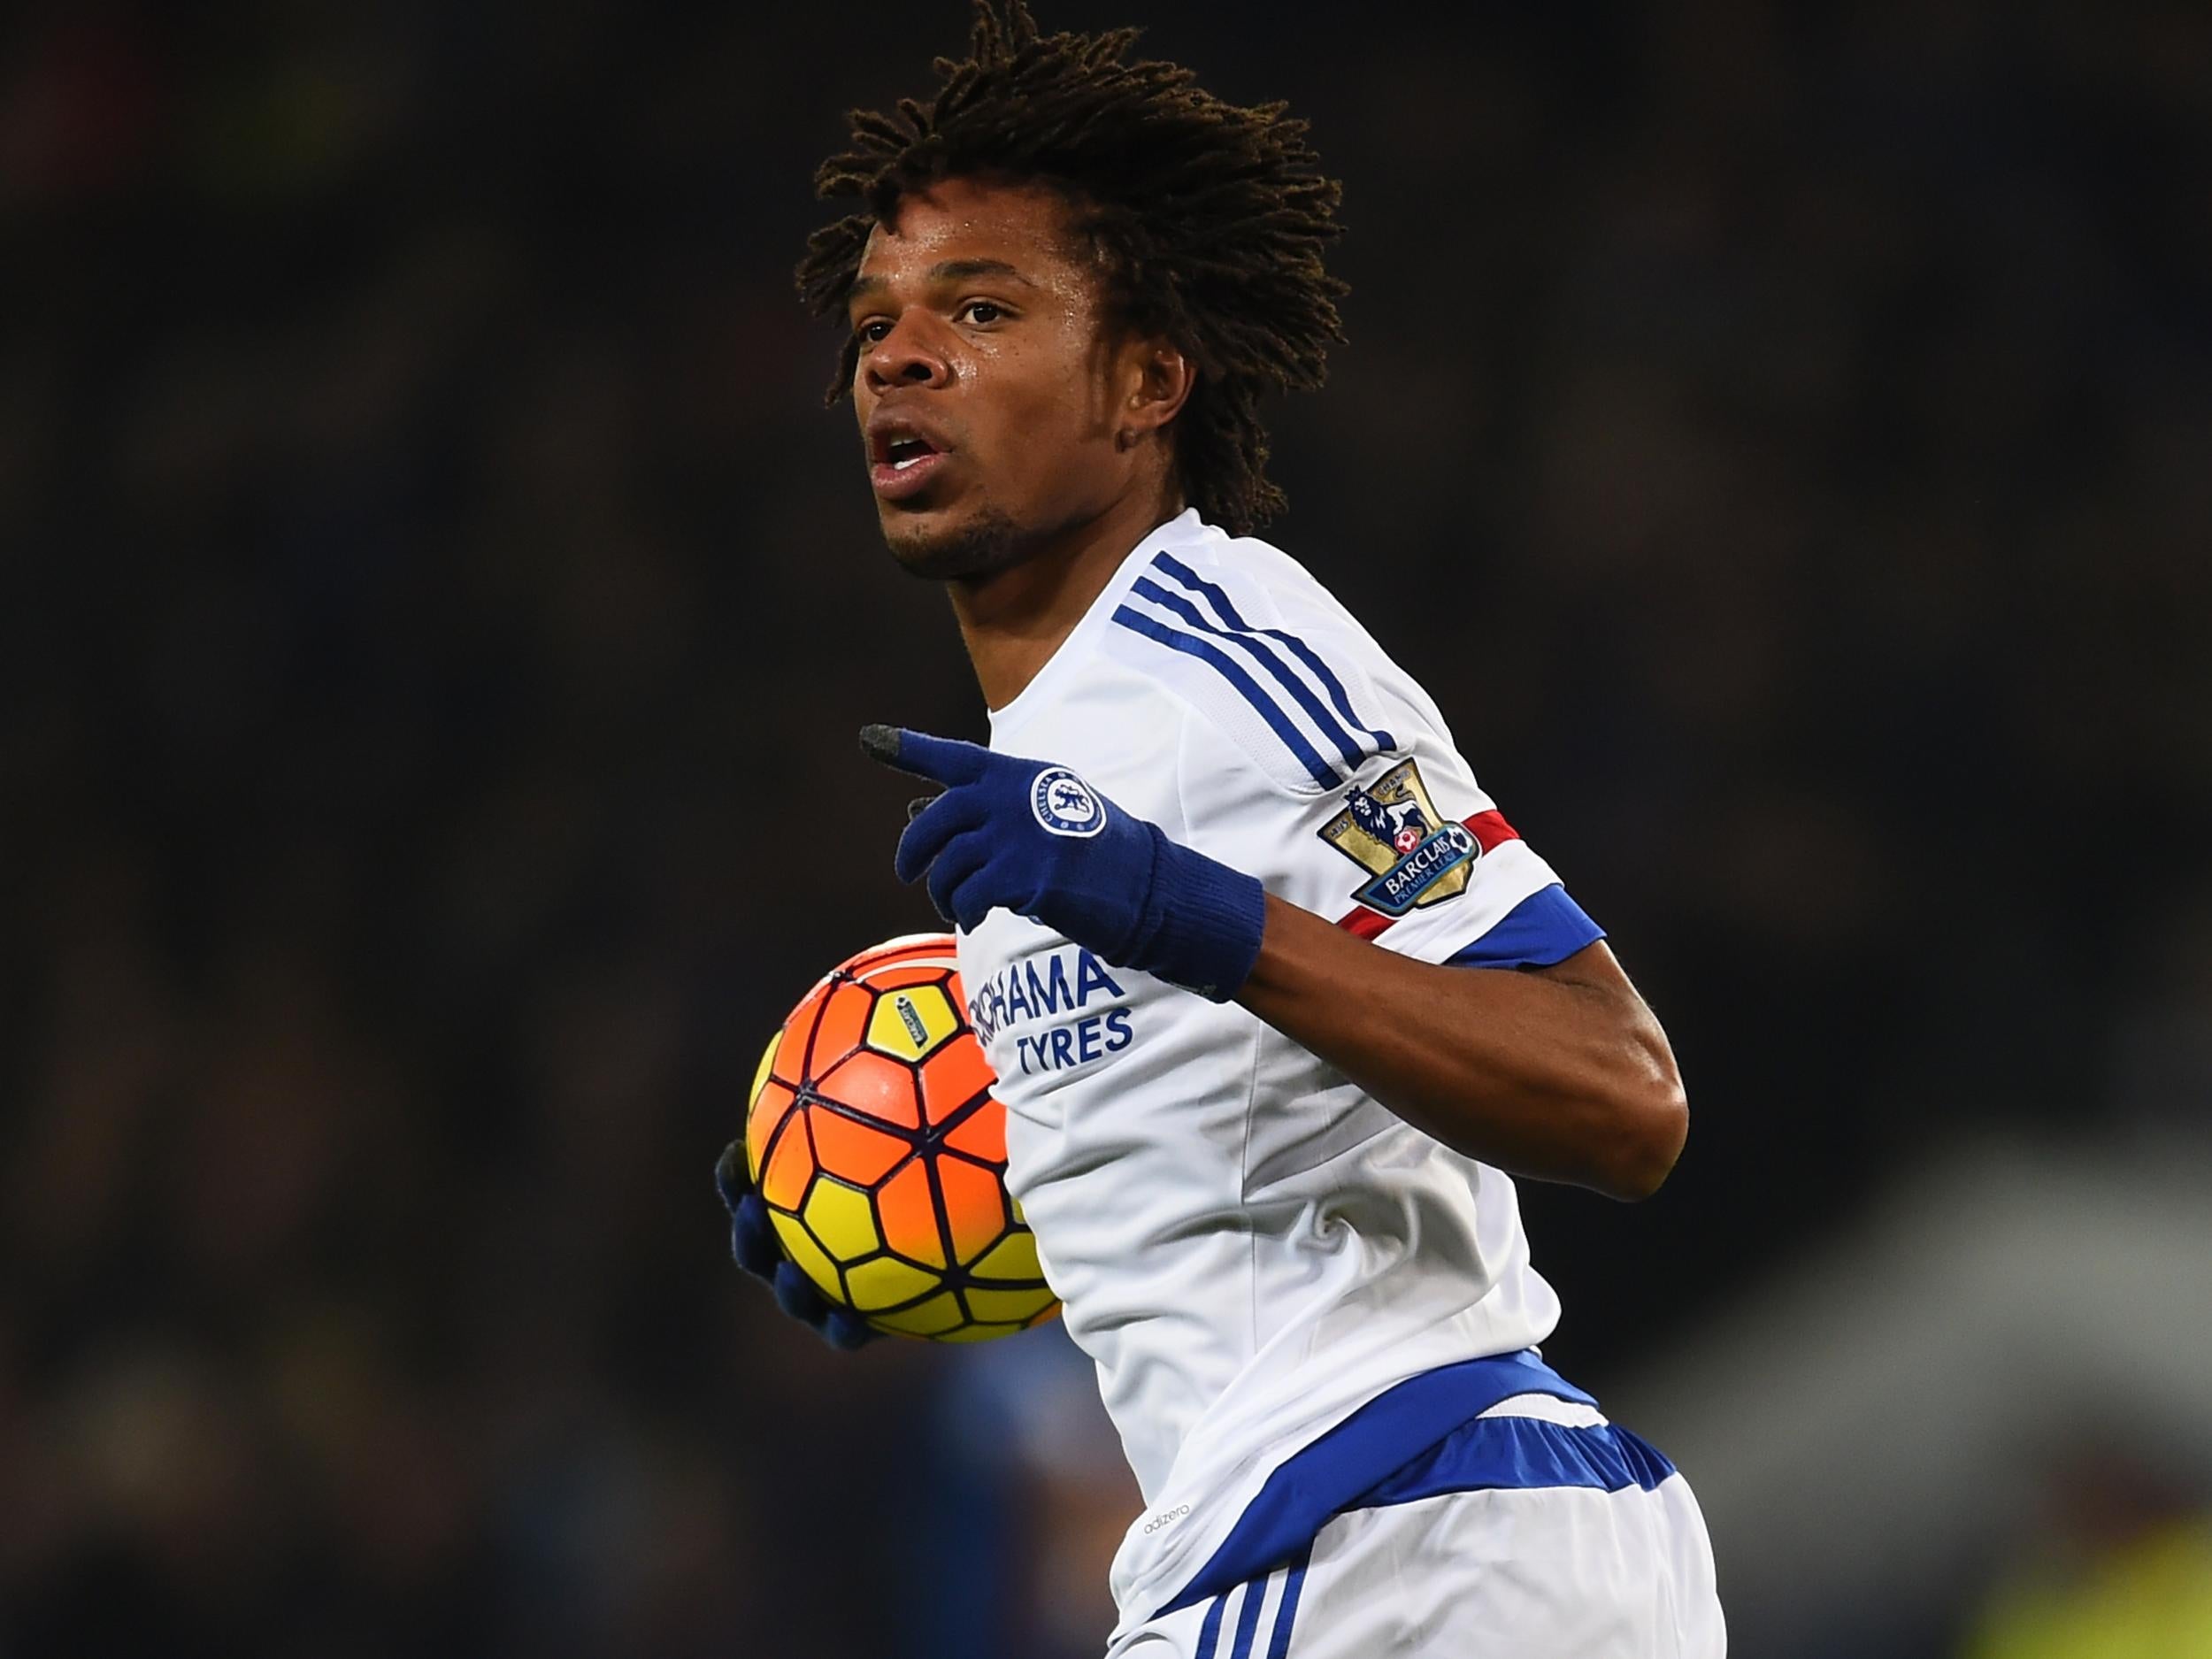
x,y
986,544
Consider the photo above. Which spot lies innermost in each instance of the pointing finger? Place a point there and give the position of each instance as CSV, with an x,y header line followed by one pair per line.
x,y
945,760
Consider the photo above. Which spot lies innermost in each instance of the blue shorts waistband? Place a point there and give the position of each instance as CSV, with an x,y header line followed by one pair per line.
x,y
1356,1463
1521,1455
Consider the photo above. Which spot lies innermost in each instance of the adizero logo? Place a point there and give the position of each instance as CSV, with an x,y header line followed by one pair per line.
x,y
1164,1517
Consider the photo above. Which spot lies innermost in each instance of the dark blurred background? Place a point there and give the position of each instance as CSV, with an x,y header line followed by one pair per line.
x,y
428,581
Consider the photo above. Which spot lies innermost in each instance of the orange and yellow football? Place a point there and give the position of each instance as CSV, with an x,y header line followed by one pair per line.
x,y
879,1149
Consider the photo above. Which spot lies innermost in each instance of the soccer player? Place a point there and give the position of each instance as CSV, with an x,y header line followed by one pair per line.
x,y
1277,1001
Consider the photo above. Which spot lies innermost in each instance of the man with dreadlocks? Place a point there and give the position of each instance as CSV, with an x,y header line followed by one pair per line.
x,y
1277,1000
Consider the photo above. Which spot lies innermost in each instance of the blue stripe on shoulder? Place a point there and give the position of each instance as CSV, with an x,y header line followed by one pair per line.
x,y
1545,927
1168,565
1279,670
1327,1477
1190,645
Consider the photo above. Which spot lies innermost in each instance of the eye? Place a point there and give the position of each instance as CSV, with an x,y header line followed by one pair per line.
x,y
873,330
981,311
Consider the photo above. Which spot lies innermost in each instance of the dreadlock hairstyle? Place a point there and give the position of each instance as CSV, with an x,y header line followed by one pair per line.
x,y
1207,221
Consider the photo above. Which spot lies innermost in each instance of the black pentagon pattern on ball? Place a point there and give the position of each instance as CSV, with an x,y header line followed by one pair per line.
x,y
927,1144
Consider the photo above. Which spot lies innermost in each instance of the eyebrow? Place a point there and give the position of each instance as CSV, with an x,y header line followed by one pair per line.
x,y
949,271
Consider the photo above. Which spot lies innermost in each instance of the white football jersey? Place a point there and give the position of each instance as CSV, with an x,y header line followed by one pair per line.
x,y
1249,1247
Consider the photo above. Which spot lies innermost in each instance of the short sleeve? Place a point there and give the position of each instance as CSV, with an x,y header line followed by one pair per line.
x,y
1545,927
1308,758
1405,849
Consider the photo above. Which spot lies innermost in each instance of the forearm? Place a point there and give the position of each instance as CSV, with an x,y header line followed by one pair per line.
x,y
1560,1074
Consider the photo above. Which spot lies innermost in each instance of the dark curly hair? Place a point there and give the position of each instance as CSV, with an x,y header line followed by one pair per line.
x,y
1208,222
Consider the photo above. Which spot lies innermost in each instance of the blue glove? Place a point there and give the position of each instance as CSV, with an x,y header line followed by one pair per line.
x,y
753,1243
1032,838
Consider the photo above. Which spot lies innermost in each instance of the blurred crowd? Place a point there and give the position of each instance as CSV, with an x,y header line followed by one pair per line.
x,y
436,611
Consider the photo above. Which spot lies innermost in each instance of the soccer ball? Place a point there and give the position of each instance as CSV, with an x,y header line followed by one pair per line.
x,y
875,1141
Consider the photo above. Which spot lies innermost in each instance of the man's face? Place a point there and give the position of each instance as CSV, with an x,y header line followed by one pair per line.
x,y
983,385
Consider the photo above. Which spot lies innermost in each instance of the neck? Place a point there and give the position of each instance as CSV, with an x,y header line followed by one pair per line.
x,y
1014,619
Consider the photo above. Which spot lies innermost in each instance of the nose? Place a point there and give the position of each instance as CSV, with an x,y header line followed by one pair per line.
x,y
909,354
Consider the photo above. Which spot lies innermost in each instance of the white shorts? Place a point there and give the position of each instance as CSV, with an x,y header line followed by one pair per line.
x,y
1536,1531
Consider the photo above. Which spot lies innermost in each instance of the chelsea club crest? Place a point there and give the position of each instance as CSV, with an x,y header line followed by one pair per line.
x,y
1064,804
1393,832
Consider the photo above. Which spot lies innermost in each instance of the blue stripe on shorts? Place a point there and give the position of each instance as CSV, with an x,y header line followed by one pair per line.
x,y
1249,1618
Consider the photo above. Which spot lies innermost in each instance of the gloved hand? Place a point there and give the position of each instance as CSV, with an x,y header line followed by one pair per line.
x,y
1032,838
753,1243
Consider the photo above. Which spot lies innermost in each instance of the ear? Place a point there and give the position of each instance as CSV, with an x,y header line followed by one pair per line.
x,y
1155,380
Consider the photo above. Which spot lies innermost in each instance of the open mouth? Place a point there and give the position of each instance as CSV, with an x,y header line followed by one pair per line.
x,y
902,461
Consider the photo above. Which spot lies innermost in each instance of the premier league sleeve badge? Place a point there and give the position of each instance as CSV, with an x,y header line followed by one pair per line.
x,y
1414,857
